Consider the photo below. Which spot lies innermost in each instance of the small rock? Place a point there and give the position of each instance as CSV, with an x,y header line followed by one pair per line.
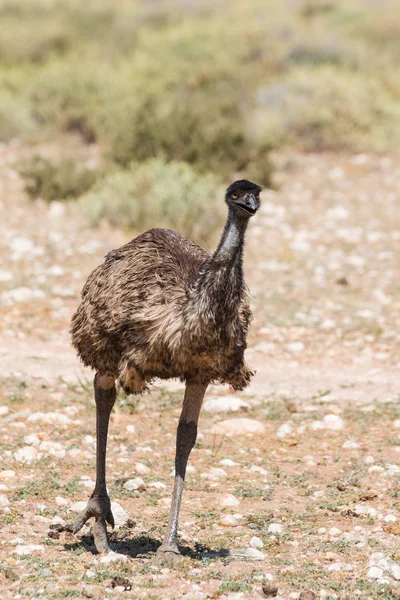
x,y
350,444
269,590
216,472
275,528
334,531
229,521
256,542
284,430
28,548
121,517
158,485
227,462
142,469
229,500
134,484
225,404
333,422
52,418
3,410
26,454
8,474
130,428
21,245
256,469
52,448
375,573
4,501
22,294
253,553
390,519
112,557
238,427
60,501
395,570
32,439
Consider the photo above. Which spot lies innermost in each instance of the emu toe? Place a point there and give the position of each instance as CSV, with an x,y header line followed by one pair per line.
x,y
100,509
168,555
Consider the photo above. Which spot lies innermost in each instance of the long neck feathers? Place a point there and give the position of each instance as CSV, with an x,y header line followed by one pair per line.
x,y
230,247
219,287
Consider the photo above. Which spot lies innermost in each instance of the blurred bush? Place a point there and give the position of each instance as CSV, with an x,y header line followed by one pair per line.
x,y
213,84
169,194
53,181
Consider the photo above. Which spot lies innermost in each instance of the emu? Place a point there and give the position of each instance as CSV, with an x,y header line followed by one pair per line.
x,y
162,307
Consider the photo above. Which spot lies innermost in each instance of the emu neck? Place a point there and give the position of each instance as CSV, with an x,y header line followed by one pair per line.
x,y
230,247
220,284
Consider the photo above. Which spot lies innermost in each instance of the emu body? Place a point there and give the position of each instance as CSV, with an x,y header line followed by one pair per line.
x,y
162,307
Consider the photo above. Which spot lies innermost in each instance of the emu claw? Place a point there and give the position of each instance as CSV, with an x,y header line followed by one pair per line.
x,y
168,555
100,509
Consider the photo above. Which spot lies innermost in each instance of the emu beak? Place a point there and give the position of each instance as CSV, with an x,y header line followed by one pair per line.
x,y
250,203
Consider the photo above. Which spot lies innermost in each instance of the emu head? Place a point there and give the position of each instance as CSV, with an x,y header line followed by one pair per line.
x,y
243,197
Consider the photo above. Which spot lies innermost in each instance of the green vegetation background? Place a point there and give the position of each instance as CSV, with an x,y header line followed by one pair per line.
x,y
199,91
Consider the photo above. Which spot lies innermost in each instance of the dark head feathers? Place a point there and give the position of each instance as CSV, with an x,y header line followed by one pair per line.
x,y
243,185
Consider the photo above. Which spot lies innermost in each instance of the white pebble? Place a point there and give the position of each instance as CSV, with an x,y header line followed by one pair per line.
x,y
395,570
256,542
229,521
368,460
256,469
333,422
238,427
52,418
390,519
23,550
130,428
254,553
158,485
375,573
112,557
225,404
351,445
295,347
4,410
135,484
60,501
26,454
284,430
121,517
142,469
229,500
32,439
4,501
275,528
227,462
8,474
334,531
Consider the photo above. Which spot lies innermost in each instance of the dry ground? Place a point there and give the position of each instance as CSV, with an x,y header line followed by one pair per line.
x,y
318,487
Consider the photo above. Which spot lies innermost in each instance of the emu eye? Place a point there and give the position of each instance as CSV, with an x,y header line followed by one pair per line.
x,y
235,196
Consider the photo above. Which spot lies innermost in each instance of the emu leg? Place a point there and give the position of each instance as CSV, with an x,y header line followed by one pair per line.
x,y
99,505
185,440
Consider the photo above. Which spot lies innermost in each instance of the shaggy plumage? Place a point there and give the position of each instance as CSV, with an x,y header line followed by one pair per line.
x,y
162,307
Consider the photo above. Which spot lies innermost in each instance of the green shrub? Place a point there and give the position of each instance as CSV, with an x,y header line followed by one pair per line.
x,y
56,181
15,117
157,192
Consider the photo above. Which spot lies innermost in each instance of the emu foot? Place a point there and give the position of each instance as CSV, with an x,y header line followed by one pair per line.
x,y
168,555
100,508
